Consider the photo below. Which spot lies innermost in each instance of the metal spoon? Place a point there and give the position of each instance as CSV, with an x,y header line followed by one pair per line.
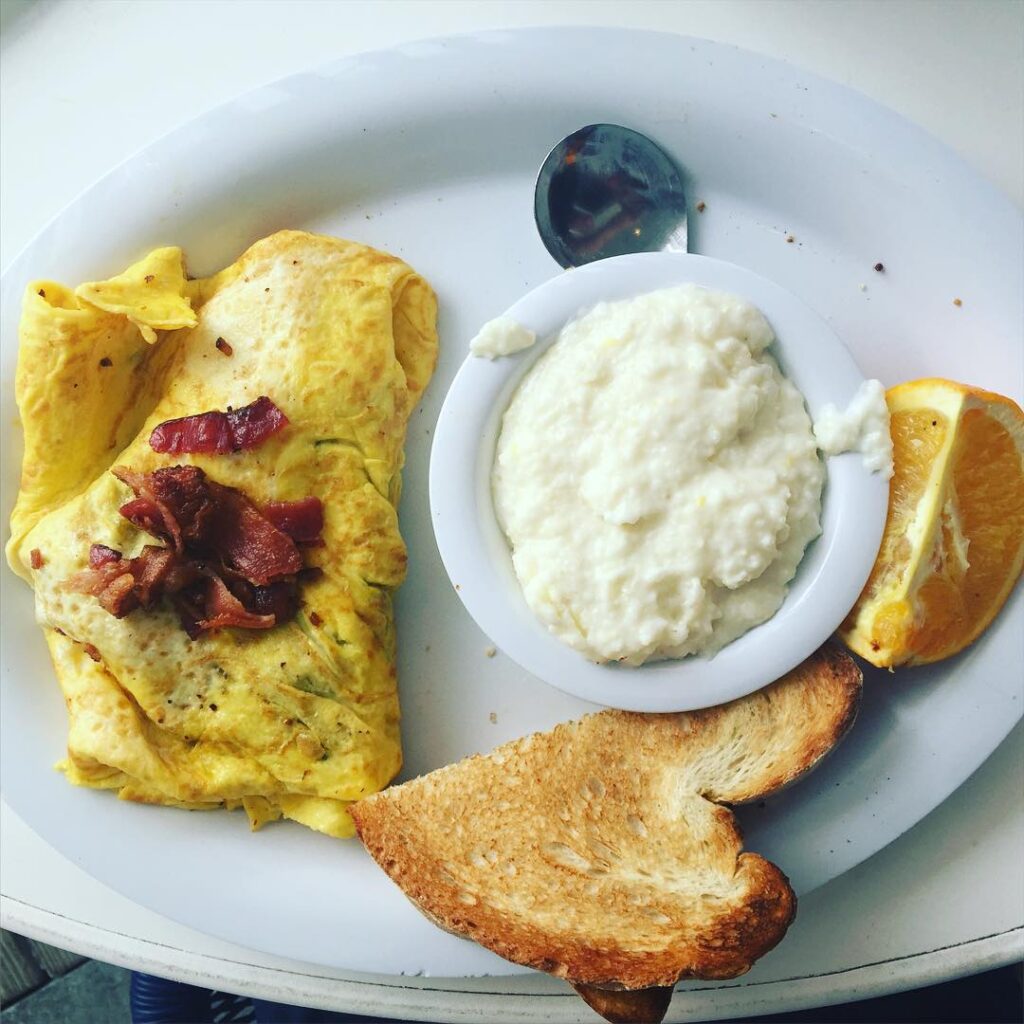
x,y
606,190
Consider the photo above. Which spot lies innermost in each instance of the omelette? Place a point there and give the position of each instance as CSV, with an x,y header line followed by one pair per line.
x,y
296,720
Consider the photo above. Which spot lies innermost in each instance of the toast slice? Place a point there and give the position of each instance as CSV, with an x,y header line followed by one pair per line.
x,y
600,851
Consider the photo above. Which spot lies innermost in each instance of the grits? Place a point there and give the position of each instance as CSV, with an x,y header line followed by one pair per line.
x,y
657,477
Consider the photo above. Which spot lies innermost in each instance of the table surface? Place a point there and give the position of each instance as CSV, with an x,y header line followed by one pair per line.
x,y
944,900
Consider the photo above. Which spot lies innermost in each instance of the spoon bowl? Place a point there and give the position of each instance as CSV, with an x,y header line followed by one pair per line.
x,y
476,554
606,191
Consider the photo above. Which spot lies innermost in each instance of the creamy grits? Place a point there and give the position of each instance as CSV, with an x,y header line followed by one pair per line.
x,y
501,337
657,477
863,426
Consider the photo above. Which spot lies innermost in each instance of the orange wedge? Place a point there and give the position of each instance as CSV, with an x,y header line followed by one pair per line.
x,y
953,546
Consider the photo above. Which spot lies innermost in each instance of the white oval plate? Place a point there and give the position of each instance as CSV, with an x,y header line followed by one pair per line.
x,y
430,151
477,555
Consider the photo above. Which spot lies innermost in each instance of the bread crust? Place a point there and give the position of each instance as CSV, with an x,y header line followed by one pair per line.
x,y
638,1006
601,852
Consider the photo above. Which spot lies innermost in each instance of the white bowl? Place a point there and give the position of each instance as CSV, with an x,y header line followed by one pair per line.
x,y
477,556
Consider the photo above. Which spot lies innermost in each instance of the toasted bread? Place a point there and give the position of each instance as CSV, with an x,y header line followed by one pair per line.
x,y
627,1006
600,852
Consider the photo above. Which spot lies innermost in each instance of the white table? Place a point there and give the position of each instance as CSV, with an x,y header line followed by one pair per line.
x,y
947,898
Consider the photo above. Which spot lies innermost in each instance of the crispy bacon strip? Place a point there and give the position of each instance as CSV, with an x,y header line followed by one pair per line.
x,y
147,511
226,563
100,554
279,599
111,583
122,585
249,543
180,505
302,520
224,609
217,433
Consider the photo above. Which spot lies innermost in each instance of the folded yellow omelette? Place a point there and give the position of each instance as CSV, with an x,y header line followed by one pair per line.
x,y
297,720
